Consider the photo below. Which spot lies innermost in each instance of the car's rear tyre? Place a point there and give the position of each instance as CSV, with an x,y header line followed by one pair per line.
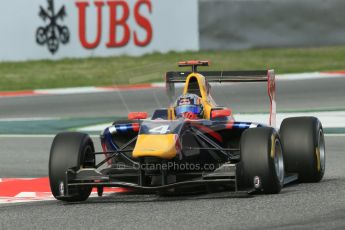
x,y
70,150
304,147
262,164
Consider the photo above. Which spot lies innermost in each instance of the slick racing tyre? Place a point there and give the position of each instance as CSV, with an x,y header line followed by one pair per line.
x,y
262,164
70,150
304,147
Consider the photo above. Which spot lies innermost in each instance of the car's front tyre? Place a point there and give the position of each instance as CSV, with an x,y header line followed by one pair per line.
x,y
70,150
262,165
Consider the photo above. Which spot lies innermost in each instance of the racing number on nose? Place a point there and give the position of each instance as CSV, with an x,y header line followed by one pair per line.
x,y
163,129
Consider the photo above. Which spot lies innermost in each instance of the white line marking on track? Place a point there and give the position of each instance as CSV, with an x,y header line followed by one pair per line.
x,y
94,128
24,197
34,136
67,91
329,119
335,134
26,135
13,178
92,89
30,119
97,136
308,76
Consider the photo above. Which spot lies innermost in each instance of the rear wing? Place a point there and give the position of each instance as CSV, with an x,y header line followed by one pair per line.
x,y
221,76
230,76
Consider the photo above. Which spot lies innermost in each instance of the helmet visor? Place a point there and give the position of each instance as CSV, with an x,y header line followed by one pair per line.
x,y
187,108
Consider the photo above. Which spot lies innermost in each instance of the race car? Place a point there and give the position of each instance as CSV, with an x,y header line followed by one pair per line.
x,y
193,145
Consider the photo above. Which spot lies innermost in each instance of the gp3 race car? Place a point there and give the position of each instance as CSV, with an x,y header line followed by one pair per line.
x,y
171,153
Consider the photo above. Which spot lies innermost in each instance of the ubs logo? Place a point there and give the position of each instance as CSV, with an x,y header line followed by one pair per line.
x,y
53,33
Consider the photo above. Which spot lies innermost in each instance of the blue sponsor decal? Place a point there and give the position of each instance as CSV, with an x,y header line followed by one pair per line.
x,y
241,125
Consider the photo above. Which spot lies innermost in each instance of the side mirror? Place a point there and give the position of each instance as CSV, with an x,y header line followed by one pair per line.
x,y
220,113
137,115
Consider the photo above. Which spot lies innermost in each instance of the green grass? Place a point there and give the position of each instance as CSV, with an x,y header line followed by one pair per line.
x,y
151,68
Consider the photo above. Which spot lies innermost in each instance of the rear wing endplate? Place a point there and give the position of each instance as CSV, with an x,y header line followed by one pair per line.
x,y
230,76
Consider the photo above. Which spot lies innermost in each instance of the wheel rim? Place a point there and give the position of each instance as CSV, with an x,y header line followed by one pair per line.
x,y
321,149
279,162
88,157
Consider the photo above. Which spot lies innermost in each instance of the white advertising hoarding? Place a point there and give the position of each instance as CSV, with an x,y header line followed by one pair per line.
x,y
55,29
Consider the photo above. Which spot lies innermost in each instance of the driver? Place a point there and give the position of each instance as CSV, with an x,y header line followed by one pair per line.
x,y
189,106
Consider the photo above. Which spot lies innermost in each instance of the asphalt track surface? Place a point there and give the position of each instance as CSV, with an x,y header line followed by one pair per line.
x,y
299,206
317,94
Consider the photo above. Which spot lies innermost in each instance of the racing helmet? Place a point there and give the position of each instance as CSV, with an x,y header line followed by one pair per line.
x,y
189,103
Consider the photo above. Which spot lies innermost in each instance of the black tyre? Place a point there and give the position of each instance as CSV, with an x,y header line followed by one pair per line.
x,y
304,147
70,150
262,164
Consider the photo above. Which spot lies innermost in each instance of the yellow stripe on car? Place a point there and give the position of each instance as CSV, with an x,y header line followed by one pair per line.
x,y
206,99
155,145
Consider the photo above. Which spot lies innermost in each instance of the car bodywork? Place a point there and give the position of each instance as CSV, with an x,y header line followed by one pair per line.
x,y
169,154
165,153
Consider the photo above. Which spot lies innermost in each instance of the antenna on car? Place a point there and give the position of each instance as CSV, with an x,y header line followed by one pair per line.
x,y
194,64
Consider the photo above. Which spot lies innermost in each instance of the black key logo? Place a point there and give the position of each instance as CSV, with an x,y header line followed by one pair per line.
x,y
54,32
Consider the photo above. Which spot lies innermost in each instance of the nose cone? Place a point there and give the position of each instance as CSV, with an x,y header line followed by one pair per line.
x,y
158,145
